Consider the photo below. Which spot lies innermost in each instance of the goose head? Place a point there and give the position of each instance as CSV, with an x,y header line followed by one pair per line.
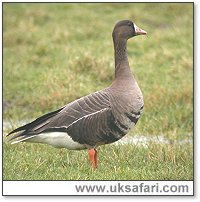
x,y
126,29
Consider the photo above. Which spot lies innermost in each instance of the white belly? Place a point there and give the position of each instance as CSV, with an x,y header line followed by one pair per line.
x,y
56,139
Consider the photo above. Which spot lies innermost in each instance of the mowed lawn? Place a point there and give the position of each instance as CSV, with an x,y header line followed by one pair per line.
x,y
54,53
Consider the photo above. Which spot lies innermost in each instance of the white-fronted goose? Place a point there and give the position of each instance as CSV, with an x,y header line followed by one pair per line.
x,y
99,118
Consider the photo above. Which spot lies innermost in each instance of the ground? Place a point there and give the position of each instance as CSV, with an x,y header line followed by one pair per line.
x,y
55,53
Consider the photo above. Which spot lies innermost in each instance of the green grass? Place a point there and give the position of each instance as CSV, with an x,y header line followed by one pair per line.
x,y
55,53
39,162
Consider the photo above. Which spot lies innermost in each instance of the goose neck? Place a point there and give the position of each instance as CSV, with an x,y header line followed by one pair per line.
x,y
122,69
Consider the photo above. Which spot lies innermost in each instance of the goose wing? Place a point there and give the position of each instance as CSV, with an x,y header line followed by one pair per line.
x,y
87,120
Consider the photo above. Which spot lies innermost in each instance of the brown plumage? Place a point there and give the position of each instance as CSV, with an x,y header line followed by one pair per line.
x,y
99,118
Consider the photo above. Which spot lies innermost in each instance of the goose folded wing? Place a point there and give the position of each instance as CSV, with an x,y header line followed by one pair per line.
x,y
94,129
66,115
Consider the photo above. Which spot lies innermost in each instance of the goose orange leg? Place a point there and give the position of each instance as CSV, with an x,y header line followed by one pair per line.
x,y
93,157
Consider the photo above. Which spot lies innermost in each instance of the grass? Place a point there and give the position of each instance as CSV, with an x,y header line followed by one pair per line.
x,y
52,55
157,162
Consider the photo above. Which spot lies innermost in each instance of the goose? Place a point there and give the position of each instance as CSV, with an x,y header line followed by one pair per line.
x,y
102,117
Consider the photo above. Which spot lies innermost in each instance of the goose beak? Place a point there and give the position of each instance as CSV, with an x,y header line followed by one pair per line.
x,y
139,31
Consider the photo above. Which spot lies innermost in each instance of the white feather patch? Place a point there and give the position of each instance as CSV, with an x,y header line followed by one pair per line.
x,y
55,139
